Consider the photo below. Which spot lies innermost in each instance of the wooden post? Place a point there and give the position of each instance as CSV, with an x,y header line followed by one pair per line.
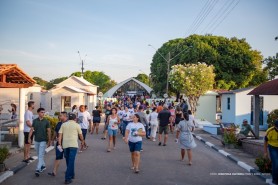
x,y
256,115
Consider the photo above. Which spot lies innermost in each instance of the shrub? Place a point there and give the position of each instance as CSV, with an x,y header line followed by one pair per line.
x,y
229,136
53,122
264,164
272,117
4,153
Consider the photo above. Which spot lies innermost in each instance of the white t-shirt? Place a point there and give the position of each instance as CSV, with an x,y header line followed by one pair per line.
x,y
83,119
153,118
191,118
112,125
131,111
133,129
126,116
120,114
28,116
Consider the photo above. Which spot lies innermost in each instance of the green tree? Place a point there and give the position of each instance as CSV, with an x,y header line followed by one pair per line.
x,y
272,66
52,83
98,78
41,82
193,80
236,64
143,78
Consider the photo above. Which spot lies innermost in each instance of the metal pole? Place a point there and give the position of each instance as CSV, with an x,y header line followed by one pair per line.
x,y
168,69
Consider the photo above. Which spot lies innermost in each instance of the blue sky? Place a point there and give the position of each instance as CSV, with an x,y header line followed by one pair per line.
x,y
43,37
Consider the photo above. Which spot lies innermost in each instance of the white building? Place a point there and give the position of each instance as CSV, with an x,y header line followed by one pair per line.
x,y
236,105
70,92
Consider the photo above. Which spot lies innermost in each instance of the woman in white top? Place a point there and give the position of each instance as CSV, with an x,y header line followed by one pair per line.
x,y
133,136
191,117
154,123
113,122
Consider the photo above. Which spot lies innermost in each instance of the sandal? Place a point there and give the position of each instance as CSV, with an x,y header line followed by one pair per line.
x,y
136,170
52,174
132,168
108,150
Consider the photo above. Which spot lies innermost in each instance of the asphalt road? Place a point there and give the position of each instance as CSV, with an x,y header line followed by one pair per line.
x,y
160,165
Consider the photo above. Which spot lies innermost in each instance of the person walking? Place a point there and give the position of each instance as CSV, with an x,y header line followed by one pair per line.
x,y
108,112
271,143
127,118
28,121
42,134
164,122
154,123
69,133
143,118
172,118
178,115
185,138
84,120
59,154
96,120
113,122
133,137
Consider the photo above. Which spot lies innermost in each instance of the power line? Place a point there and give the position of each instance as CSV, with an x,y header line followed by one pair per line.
x,y
207,12
197,18
218,15
225,16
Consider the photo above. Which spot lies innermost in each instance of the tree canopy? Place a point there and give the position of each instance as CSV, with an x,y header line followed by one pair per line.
x,y
236,65
98,78
143,78
193,80
272,66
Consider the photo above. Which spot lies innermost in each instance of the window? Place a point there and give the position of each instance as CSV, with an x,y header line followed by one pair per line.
x,y
31,96
228,103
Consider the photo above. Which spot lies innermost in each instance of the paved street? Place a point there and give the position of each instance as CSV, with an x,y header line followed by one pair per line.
x,y
159,165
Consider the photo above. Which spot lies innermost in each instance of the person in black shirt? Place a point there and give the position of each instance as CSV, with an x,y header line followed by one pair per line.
x,y
164,122
96,119
108,112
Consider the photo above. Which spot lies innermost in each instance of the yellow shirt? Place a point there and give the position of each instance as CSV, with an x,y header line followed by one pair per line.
x,y
70,131
272,136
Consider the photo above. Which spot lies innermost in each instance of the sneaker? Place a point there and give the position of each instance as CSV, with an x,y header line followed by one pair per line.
x,y
154,140
43,168
26,161
37,173
164,144
31,158
159,144
68,181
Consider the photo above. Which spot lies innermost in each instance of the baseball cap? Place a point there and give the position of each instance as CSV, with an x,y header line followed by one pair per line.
x,y
71,116
245,120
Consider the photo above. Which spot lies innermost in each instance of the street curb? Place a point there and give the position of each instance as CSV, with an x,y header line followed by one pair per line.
x,y
243,165
19,167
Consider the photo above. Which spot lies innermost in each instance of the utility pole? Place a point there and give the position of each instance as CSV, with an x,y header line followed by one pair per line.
x,y
82,64
168,70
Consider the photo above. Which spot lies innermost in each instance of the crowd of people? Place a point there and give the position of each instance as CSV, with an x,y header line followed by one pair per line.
x,y
133,118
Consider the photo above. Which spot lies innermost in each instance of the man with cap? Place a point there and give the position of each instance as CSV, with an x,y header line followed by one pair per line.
x,y
271,142
244,131
69,133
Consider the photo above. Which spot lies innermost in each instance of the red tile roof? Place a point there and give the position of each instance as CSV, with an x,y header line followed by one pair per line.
x,y
267,88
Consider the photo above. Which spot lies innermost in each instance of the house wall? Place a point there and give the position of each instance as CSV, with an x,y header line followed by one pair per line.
x,y
228,116
243,107
206,108
270,103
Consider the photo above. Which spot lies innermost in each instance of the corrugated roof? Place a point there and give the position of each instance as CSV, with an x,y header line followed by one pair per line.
x,y
111,91
267,88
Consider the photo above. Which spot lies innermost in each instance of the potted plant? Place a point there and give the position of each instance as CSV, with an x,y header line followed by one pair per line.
x,y
264,164
4,153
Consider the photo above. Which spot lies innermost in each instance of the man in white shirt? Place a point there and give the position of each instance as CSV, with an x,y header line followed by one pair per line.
x,y
28,120
131,109
84,120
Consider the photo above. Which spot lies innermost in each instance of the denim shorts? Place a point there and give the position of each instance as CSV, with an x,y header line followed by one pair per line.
x,y
135,147
112,132
59,155
84,133
96,119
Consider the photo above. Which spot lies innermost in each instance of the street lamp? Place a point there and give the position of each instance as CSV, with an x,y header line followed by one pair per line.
x,y
168,62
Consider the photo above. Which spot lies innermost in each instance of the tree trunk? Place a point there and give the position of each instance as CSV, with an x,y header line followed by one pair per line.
x,y
177,96
192,100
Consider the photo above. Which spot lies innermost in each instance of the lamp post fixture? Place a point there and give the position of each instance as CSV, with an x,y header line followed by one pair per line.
x,y
168,60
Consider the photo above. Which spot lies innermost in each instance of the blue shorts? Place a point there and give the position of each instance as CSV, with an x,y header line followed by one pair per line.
x,y
59,155
135,147
84,133
112,132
